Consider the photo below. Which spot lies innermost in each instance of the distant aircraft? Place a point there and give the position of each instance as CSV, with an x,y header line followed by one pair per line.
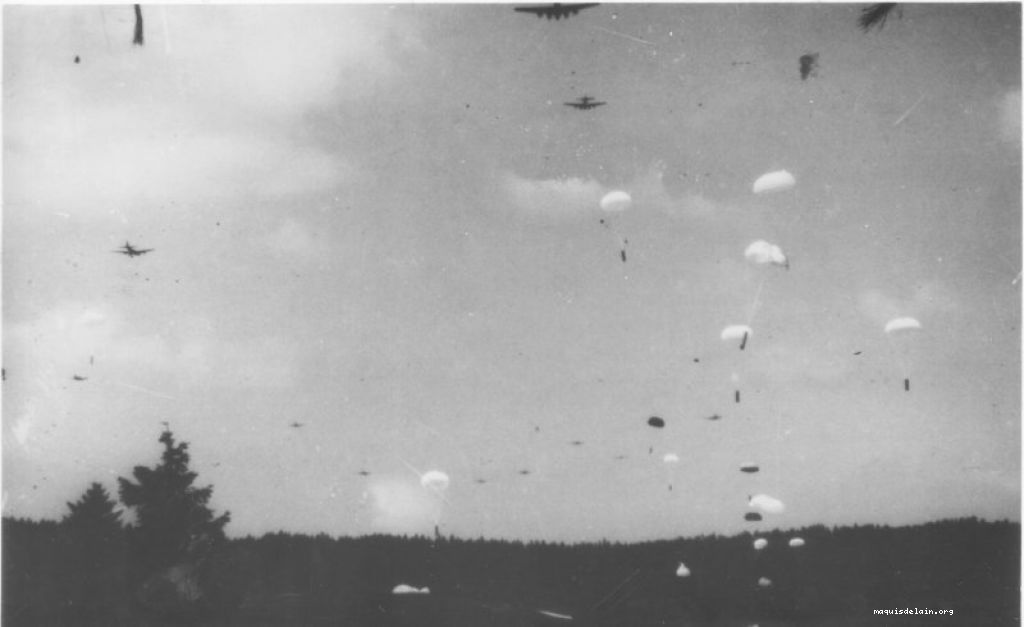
x,y
364,473
584,103
79,377
296,425
557,10
131,251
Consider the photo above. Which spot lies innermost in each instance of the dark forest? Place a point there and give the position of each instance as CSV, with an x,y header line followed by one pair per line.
x,y
172,564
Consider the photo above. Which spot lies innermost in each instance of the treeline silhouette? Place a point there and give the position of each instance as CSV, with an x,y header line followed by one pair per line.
x,y
172,565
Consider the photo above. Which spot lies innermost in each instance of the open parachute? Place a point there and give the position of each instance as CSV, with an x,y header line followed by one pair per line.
x,y
767,504
763,252
404,588
899,327
902,324
615,202
435,480
777,181
737,332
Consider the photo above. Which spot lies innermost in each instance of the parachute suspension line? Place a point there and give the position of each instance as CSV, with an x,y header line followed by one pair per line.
x,y
904,366
615,591
778,446
167,30
103,20
756,304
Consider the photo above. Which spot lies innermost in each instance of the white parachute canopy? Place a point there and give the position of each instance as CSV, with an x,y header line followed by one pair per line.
x,y
764,252
404,588
767,504
616,201
435,480
764,582
777,181
796,542
900,324
737,332
760,543
670,458
682,571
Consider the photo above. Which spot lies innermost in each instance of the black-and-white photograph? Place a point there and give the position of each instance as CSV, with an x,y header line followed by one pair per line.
x,y
486,315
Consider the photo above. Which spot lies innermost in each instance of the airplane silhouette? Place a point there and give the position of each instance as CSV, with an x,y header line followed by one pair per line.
x,y
131,251
296,425
79,377
585,102
364,473
557,10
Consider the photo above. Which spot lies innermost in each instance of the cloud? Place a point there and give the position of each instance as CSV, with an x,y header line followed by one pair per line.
x,y
111,168
574,196
649,189
293,238
96,341
553,197
212,107
1009,118
927,298
260,362
787,363
403,507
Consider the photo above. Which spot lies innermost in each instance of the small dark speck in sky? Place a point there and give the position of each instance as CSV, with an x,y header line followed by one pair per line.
x,y
808,65
77,59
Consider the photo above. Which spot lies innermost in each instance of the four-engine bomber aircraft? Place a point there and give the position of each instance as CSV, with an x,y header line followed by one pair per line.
x,y
585,102
557,10
129,250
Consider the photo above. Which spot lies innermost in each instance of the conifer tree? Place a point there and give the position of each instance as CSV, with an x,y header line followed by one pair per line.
x,y
94,558
173,522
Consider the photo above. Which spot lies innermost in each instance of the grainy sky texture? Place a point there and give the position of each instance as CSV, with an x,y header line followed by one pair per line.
x,y
382,223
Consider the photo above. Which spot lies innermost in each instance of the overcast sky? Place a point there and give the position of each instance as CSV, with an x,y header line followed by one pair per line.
x,y
381,222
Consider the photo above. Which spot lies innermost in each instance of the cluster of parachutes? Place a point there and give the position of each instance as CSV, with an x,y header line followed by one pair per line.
x,y
768,255
760,253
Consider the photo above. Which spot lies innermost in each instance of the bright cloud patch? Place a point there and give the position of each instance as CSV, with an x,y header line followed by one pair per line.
x,y
554,197
1009,117
931,296
404,507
